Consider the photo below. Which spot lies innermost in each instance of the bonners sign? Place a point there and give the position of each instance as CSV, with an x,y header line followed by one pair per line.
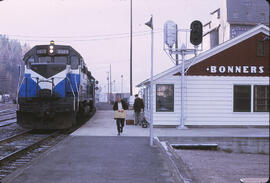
x,y
235,69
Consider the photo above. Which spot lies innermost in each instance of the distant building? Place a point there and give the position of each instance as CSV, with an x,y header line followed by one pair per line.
x,y
232,19
107,97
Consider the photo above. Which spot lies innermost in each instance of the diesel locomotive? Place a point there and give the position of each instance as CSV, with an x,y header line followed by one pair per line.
x,y
56,90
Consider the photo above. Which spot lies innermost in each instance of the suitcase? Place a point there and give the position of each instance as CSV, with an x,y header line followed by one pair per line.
x,y
129,122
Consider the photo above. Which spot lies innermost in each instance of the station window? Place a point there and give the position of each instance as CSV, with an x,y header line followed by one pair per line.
x,y
242,98
164,98
261,98
260,48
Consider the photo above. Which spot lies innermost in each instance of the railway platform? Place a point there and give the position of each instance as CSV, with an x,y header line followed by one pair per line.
x,y
94,153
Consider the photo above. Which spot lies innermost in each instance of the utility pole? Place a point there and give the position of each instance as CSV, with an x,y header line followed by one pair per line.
x,y
130,47
114,85
121,83
176,47
110,83
105,88
108,87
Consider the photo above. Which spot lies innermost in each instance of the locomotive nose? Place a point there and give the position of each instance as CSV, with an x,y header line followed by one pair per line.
x,y
45,93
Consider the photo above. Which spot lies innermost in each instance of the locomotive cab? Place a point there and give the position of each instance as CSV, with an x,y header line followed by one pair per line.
x,y
52,94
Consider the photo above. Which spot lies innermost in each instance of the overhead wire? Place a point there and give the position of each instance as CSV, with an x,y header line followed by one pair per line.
x,y
80,36
73,38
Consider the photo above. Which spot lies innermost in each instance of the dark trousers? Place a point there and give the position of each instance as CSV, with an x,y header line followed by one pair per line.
x,y
120,124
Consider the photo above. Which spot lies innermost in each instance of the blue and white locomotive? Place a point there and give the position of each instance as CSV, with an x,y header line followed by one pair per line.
x,y
57,88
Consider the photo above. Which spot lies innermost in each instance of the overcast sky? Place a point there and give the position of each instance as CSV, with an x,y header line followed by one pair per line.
x,y
99,30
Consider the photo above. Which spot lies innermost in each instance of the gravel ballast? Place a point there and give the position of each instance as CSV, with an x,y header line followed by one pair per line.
x,y
223,167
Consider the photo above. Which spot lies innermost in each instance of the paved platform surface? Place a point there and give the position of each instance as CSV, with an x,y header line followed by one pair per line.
x,y
99,160
94,153
103,124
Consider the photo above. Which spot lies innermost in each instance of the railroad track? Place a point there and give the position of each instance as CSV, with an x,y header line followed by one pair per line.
x,y
18,150
7,117
7,112
21,148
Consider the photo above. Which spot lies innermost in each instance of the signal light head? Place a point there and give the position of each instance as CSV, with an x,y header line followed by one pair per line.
x,y
196,32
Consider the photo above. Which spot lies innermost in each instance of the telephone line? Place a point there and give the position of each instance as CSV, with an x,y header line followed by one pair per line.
x,y
87,40
81,36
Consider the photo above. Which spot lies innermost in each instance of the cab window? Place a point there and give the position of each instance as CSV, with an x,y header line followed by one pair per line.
x,y
74,62
60,60
44,59
29,61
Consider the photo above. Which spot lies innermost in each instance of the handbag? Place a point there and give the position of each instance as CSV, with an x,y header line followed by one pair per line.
x,y
121,114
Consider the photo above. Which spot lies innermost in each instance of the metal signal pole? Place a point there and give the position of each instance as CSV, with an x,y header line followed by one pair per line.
x,y
151,92
150,24
130,47
182,125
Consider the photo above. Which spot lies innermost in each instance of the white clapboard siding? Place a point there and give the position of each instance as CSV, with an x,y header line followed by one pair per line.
x,y
216,107
208,101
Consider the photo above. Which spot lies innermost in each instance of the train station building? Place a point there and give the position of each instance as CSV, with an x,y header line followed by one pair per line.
x,y
227,85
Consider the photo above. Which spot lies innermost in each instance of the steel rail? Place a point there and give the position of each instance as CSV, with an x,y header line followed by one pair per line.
x,y
14,137
7,113
26,148
7,122
10,109
6,119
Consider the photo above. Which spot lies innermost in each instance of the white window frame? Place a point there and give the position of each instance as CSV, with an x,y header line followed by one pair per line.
x,y
252,98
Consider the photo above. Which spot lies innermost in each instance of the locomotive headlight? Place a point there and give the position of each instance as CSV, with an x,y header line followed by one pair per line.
x,y
51,47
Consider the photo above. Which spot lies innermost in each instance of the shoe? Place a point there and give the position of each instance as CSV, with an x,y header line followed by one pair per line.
x,y
118,134
121,131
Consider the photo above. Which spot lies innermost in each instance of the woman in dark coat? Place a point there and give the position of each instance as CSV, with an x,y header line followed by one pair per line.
x,y
120,105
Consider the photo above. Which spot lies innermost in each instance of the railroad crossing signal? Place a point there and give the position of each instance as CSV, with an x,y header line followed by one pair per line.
x,y
196,32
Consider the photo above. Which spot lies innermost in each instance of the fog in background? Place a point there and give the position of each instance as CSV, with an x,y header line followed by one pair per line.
x,y
99,30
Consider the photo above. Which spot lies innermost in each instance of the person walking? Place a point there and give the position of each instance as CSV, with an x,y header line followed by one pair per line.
x,y
119,107
138,107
